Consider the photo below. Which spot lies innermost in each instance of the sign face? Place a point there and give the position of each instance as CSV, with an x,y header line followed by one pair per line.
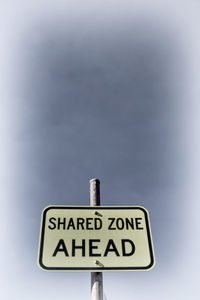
x,y
95,238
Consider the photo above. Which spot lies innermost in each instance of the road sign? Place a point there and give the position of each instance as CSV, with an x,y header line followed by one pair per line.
x,y
103,238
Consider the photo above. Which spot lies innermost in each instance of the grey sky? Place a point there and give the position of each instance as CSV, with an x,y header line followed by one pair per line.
x,y
96,95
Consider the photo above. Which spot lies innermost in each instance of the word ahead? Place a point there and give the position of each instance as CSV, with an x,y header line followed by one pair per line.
x,y
95,239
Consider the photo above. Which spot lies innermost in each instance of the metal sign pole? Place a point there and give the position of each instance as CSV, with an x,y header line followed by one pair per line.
x,y
96,277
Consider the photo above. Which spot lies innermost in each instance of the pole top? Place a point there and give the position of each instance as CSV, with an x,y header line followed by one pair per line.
x,y
95,179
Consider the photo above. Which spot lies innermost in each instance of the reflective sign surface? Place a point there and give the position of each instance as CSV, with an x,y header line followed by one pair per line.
x,y
88,238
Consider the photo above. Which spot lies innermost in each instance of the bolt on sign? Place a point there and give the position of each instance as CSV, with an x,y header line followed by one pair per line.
x,y
95,238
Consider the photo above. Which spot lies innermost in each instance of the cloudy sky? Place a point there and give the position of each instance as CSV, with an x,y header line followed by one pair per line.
x,y
106,89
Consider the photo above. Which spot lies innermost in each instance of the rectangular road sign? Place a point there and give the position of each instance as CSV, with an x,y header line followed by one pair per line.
x,y
95,238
